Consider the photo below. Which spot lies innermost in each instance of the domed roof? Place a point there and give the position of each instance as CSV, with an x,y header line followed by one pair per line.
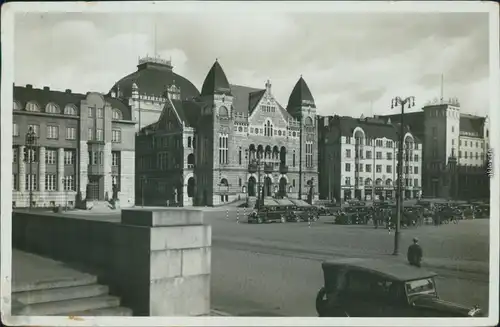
x,y
300,96
152,77
216,81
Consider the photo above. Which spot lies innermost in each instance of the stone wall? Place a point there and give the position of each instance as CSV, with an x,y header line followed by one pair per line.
x,y
157,261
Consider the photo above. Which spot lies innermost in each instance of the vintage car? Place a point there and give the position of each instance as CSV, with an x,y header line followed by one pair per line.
x,y
353,215
303,211
268,214
359,287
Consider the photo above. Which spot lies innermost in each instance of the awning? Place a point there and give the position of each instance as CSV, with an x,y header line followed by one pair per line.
x,y
284,202
300,203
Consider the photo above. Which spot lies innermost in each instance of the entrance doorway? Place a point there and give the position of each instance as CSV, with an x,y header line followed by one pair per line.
x,y
95,188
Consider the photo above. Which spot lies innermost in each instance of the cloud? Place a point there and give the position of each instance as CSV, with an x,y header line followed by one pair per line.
x,y
354,63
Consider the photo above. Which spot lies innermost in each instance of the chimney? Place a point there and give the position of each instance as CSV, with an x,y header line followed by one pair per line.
x,y
29,86
46,88
68,91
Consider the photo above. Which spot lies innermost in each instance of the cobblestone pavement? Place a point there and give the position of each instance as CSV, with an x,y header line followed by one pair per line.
x,y
274,269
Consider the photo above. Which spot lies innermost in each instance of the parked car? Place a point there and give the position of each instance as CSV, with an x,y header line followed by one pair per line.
x,y
268,214
356,287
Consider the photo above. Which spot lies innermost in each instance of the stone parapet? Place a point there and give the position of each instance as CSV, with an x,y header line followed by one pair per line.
x,y
158,261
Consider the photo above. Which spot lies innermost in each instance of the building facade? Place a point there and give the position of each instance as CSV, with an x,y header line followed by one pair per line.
x,y
456,150
225,143
84,144
358,159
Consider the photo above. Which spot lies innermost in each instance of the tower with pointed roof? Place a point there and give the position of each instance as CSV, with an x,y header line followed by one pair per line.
x,y
302,107
214,134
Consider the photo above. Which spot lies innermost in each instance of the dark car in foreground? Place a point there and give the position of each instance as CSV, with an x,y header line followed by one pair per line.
x,y
356,287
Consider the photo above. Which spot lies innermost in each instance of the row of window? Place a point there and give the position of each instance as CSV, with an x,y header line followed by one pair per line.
x,y
378,168
160,161
378,143
51,184
98,135
470,143
50,108
467,155
378,155
378,182
31,155
269,131
52,131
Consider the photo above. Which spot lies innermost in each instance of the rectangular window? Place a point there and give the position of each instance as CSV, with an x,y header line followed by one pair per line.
x,y
116,136
239,157
368,155
309,154
415,182
348,181
100,113
15,129
91,134
52,132
31,182
69,183
31,155
415,157
91,112
378,155
50,157
223,149
70,133
14,154
347,167
415,170
465,153
115,158
36,129
15,182
389,155
378,168
368,168
69,158
50,182
361,168
388,169
348,153
293,159
99,135
348,140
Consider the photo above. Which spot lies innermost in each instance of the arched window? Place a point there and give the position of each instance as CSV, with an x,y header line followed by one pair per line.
x,y
388,182
32,106
52,108
224,182
117,114
268,129
368,182
70,110
16,105
223,112
308,121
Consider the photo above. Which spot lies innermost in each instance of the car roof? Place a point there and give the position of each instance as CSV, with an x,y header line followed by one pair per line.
x,y
392,270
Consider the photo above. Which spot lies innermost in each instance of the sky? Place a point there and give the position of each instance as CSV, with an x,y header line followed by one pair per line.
x,y
354,63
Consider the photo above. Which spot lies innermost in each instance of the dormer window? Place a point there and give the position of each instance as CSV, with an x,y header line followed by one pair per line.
x,y
16,106
70,110
52,108
32,106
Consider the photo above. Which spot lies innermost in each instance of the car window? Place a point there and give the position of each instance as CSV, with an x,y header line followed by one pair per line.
x,y
374,287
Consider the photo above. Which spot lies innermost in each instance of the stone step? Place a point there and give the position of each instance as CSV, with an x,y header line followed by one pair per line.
x,y
60,282
65,307
60,294
107,312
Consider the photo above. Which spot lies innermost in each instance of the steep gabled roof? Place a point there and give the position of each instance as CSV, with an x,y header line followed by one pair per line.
x,y
245,98
216,82
300,96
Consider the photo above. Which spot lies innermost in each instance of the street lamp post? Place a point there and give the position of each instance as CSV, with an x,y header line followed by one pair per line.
x,y
31,142
397,101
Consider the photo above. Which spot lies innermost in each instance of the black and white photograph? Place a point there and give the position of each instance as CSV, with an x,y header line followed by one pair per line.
x,y
191,162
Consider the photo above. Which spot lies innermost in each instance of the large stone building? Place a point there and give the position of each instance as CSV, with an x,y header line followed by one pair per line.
x,y
358,159
455,152
220,144
84,142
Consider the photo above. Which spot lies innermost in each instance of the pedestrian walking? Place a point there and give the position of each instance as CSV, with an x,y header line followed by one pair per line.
x,y
415,253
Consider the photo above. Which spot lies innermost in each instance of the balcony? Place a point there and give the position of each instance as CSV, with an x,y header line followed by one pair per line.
x,y
283,169
252,168
268,168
